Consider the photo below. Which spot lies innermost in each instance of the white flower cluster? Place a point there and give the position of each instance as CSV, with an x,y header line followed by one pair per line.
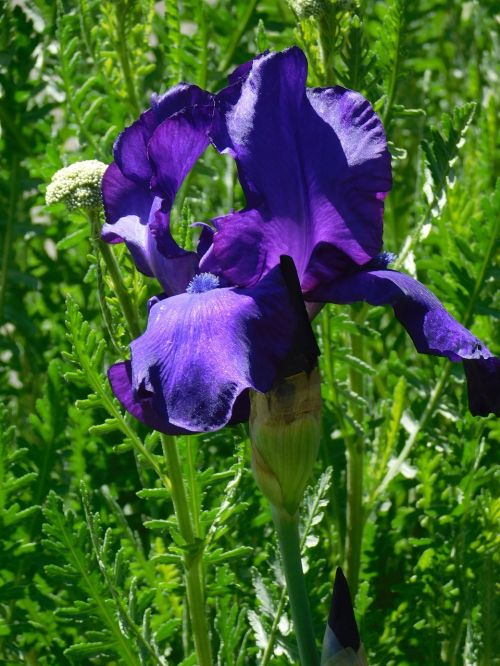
x,y
307,8
317,8
78,185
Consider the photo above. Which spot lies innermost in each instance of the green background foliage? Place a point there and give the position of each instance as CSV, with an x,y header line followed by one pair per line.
x,y
90,563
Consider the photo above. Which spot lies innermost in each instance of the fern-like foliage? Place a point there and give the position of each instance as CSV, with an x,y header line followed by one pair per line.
x,y
28,472
87,356
441,151
17,476
87,598
358,62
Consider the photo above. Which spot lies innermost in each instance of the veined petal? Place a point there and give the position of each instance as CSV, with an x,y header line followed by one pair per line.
x,y
141,219
174,147
127,206
120,378
145,228
431,327
201,351
130,150
298,153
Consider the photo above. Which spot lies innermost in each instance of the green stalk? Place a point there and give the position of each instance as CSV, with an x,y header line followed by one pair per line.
x,y
268,653
123,56
287,528
238,34
193,562
327,33
355,456
355,523
126,305
393,80
191,450
203,38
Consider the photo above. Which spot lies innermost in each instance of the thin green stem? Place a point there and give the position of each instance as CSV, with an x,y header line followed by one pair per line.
x,y
9,127
328,33
355,457
355,522
191,447
268,653
238,34
121,46
329,365
65,73
203,40
94,380
410,443
393,79
287,528
122,609
333,398
122,293
193,558
102,607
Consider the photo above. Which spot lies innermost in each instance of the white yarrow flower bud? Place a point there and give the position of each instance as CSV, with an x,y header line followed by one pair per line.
x,y
78,185
305,9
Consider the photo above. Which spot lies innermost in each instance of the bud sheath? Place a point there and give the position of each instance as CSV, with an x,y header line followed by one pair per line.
x,y
285,427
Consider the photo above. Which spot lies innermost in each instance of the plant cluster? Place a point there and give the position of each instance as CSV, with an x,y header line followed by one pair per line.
x,y
405,494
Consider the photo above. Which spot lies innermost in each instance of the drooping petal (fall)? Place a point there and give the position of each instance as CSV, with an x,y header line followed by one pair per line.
x,y
201,351
142,407
430,326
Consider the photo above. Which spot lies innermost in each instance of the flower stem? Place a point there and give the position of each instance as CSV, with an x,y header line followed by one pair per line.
x,y
193,561
355,523
287,528
238,34
121,45
328,33
355,455
114,271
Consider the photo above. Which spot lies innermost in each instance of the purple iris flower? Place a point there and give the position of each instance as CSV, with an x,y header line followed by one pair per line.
x,y
314,168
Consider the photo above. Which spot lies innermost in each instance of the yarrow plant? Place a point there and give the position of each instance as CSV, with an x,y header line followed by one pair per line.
x,y
230,323
77,185
275,427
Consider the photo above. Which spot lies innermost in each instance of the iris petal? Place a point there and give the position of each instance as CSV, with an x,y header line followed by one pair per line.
x,y
201,352
431,327
130,150
120,378
134,213
127,206
298,154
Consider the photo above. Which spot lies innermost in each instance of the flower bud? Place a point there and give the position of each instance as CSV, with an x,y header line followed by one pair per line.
x,y
78,185
342,644
285,427
305,9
